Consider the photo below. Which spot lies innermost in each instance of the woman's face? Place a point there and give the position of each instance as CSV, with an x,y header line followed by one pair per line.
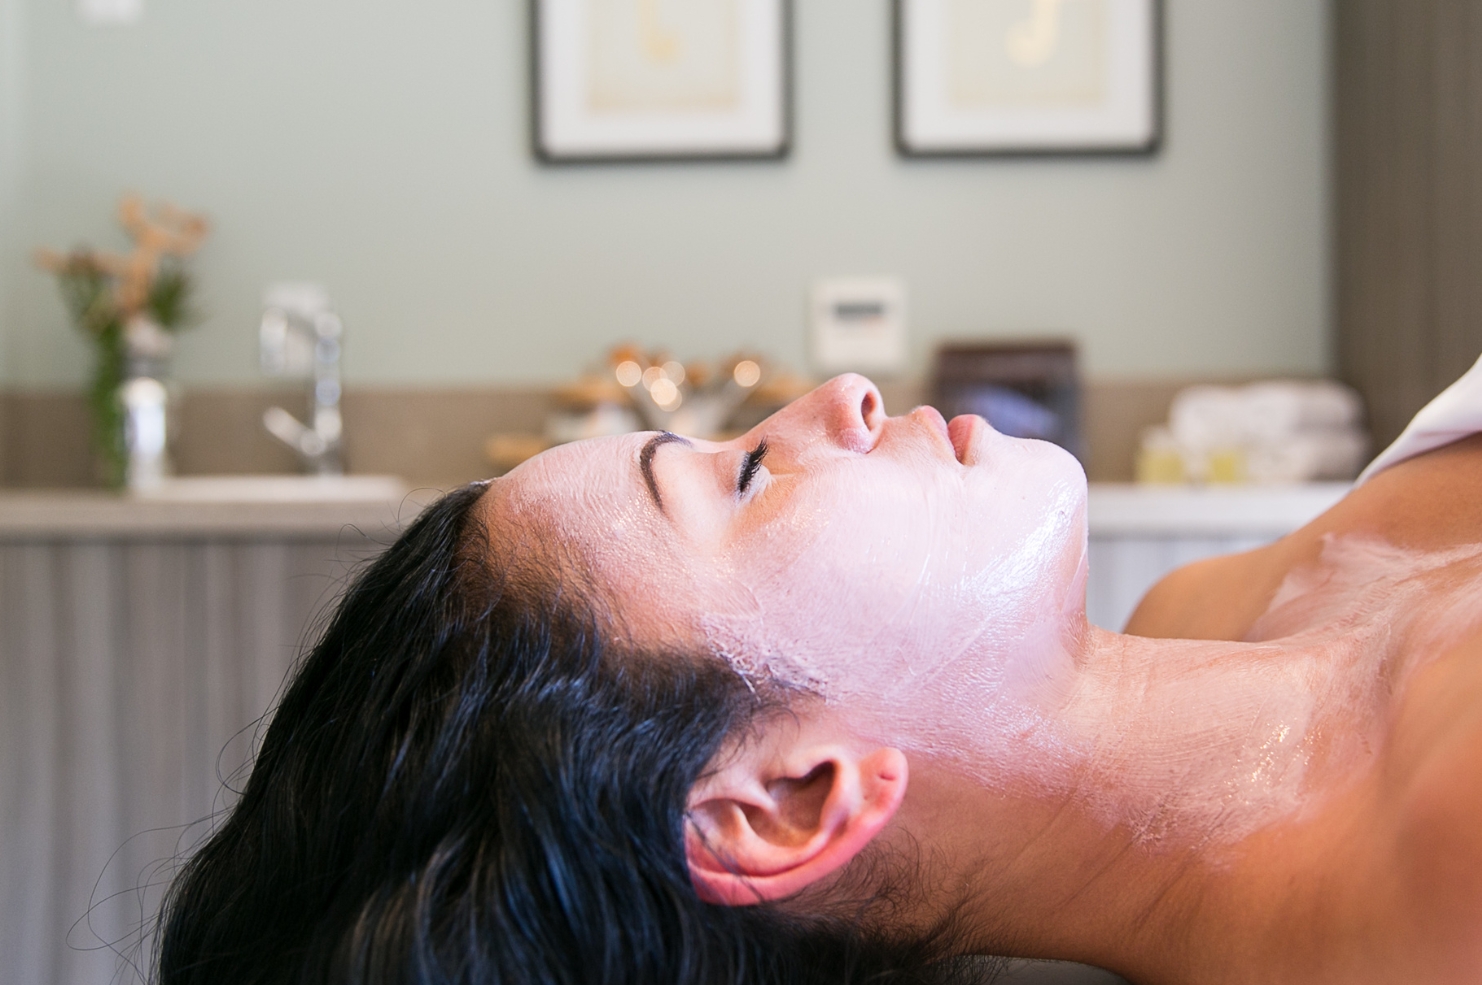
x,y
878,560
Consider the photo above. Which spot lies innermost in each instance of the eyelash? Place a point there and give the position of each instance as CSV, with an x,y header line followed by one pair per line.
x,y
751,466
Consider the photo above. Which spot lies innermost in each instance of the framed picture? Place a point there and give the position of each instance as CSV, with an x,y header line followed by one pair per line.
x,y
984,77
619,80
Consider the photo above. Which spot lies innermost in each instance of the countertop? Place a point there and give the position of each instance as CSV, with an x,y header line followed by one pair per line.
x,y
1114,510
1118,509
45,514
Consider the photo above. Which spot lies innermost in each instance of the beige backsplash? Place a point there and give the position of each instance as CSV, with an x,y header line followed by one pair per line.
x,y
434,436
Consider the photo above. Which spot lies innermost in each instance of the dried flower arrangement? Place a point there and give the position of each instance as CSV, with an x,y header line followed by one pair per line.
x,y
129,305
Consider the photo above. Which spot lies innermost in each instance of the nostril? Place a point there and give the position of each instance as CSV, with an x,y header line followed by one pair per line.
x,y
872,408
854,409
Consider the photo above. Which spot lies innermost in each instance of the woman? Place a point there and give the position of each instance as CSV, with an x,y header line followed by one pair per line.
x,y
822,703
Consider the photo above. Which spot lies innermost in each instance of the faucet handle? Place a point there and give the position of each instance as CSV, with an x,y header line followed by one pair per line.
x,y
300,337
287,429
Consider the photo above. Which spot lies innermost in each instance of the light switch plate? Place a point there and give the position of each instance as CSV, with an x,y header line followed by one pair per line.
x,y
859,324
107,13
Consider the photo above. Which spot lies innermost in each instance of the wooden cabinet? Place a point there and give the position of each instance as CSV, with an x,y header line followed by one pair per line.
x,y
139,650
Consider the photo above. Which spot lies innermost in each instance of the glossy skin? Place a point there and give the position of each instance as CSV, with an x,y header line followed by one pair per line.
x,y
867,555
1382,879
1219,798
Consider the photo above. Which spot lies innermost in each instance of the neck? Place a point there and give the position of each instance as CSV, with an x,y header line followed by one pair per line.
x,y
1120,797
1127,777
1185,742
1171,740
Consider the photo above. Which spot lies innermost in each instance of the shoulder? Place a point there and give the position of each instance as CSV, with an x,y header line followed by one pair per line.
x,y
1213,599
1431,501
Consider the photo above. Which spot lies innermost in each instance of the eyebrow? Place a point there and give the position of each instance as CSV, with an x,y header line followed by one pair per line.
x,y
646,462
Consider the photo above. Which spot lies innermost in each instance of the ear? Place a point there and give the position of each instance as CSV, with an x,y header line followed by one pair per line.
x,y
763,830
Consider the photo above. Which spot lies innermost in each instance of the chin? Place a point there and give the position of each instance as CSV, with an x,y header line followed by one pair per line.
x,y
983,443
1055,482
1041,465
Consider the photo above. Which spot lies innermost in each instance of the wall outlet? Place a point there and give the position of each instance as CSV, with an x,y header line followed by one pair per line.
x,y
107,13
859,324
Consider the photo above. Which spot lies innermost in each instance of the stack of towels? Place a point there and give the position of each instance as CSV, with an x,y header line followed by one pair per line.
x,y
1270,432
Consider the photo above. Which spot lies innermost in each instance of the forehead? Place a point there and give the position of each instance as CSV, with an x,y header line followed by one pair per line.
x,y
582,504
565,490
582,512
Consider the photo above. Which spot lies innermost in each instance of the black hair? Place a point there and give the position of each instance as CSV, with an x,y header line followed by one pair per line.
x,y
465,783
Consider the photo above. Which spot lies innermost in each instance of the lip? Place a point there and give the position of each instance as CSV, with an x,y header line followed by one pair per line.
x,y
963,431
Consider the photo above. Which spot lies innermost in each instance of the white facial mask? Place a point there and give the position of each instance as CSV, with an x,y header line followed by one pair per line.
x,y
938,602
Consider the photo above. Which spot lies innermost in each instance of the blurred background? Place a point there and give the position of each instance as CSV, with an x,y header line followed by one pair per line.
x,y
383,150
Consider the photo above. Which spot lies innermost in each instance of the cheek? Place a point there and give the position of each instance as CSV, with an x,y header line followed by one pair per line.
x,y
1031,516
883,590
806,586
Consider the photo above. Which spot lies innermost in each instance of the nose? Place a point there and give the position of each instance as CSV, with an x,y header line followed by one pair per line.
x,y
846,411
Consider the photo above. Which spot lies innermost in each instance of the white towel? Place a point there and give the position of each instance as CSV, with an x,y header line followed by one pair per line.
x,y
1454,414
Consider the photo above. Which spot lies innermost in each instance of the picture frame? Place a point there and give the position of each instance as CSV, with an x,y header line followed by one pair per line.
x,y
986,78
660,80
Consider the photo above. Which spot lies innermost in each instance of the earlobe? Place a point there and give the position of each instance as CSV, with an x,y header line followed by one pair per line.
x,y
750,839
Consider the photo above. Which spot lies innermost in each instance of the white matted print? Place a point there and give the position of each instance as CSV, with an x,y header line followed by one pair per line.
x,y
628,79
1027,76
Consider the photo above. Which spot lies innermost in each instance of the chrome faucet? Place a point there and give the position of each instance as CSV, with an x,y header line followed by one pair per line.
x,y
300,338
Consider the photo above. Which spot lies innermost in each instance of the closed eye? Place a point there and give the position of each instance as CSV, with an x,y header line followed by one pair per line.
x,y
751,466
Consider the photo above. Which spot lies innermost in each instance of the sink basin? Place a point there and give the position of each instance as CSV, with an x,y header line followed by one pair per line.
x,y
277,489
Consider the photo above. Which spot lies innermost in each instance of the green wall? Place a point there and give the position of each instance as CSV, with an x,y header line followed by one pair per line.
x,y
380,146
12,53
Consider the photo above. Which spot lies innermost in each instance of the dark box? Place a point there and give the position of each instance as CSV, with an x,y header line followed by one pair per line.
x,y
1023,389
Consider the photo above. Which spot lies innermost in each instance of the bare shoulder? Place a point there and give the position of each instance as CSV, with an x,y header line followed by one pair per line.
x,y
1431,501
1213,599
